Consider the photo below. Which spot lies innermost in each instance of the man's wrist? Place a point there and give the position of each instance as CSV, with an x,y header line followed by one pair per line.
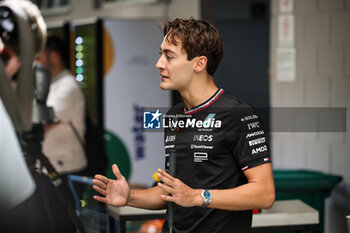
x,y
130,197
197,200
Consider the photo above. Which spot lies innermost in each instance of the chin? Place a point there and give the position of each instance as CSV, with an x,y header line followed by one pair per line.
x,y
164,87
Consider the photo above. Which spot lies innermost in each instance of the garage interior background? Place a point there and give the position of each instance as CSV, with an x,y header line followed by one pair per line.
x,y
321,43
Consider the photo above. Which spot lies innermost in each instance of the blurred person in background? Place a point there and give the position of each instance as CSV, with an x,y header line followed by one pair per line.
x,y
62,143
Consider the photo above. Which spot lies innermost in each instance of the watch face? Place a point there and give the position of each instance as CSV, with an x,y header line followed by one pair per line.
x,y
207,194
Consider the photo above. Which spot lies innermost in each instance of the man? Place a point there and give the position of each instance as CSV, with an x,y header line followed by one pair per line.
x,y
223,168
61,145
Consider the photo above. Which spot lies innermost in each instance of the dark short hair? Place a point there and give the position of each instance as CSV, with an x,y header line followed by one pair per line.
x,y
56,44
199,38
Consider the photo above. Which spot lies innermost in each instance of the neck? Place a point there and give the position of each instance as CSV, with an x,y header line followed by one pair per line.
x,y
55,71
200,90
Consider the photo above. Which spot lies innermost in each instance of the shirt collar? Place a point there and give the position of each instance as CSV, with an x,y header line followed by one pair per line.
x,y
206,104
60,75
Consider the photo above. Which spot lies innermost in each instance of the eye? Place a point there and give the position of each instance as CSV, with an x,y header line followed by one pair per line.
x,y
169,57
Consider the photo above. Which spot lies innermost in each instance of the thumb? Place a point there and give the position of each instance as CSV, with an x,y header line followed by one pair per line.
x,y
117,172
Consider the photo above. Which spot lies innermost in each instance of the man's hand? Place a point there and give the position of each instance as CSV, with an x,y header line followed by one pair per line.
x,y
181,194
114,192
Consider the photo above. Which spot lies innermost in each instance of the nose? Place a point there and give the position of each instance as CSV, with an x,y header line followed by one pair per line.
x,y
160,63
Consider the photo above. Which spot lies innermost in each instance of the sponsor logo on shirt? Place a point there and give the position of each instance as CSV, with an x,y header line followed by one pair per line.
x,y
170,138
257,141
199,157
259,150
203,138
248,118
201,147
253,125
257,133
210,117
169,146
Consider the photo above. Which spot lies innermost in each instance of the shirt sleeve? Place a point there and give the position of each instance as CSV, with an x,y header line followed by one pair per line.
x,y
247,138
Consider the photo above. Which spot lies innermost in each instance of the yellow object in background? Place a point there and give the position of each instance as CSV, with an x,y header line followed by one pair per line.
x,y
155,176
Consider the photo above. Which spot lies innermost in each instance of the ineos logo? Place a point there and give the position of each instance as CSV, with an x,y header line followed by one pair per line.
x,y
203,138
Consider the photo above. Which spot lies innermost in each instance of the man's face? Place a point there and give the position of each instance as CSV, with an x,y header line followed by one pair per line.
x,y
43,58
175,69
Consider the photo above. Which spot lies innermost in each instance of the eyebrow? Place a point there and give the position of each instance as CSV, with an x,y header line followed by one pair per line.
x,y
167,50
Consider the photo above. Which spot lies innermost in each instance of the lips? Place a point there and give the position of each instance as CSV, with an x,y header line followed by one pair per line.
x,y
164,77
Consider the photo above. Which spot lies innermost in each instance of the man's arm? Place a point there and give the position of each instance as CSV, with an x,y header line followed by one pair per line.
x,y
148,199
258,193
118,193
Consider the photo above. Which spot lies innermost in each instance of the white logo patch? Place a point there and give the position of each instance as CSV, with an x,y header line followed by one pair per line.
x,y
256,141
259,150
169,146
201,147
248,118
203,138
198,157
170,138
257,133
253,125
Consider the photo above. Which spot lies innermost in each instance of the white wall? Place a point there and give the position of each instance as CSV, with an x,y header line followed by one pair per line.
x,y
322,42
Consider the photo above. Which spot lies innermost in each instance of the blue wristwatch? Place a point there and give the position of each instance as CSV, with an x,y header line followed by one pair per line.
x,y
207,197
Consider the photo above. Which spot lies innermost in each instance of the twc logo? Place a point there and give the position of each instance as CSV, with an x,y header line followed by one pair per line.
x,y
152,120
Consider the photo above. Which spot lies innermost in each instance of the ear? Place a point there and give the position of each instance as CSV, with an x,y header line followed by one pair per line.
x,y
201,63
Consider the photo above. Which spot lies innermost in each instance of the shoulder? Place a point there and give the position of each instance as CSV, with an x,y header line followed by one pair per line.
x,y
235,105
68,78
67,82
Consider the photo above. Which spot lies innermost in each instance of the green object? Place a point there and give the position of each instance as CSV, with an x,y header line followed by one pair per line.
x,y
309,186
117,154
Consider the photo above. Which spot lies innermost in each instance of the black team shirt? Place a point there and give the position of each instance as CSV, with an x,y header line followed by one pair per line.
x,y
214,143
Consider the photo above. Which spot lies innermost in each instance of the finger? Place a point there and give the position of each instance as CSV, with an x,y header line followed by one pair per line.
x,y
117,172
102,178
165,174
166,180
99,183
98,189
166,188
101,199
167,198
